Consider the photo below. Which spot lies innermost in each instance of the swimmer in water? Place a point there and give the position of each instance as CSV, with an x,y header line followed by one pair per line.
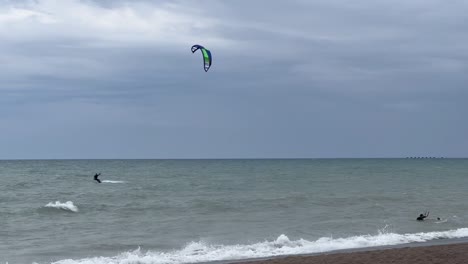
x,y
96,177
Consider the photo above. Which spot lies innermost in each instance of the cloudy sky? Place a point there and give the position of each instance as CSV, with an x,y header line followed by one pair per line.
x,y
313,79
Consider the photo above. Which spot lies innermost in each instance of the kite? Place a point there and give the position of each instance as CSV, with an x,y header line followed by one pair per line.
x,y
207,59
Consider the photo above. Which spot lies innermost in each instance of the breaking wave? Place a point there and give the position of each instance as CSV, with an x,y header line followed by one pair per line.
x,y
202,252
67,206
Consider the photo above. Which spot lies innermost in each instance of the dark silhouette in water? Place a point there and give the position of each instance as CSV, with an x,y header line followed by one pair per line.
x,y
96,177
422,216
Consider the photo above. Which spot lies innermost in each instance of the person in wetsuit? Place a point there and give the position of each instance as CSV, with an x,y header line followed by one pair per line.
x,y
96,177
422,216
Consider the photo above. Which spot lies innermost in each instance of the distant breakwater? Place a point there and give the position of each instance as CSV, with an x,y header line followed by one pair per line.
x,y
425,157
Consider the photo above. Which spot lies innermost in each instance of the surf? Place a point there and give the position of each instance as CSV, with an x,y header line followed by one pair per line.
x,y
196,252
67,206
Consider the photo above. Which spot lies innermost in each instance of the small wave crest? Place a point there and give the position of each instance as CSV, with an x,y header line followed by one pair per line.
x,y
67,206
202,252
108,181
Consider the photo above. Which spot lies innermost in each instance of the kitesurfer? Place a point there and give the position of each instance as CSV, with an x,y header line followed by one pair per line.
x,y
96,177
422,216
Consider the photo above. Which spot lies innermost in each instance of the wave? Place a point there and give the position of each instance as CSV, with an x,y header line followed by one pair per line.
x,y
107,181
68,206
202,252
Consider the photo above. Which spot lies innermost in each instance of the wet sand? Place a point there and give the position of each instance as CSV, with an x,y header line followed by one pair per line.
x,y
446,254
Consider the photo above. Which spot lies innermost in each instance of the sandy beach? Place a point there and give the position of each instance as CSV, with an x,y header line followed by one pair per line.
x,y
446,254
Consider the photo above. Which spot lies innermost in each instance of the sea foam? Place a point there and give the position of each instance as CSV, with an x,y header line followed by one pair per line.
x,y
68,206
202,252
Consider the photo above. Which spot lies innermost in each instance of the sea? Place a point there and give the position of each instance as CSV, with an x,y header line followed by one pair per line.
x,y
199,211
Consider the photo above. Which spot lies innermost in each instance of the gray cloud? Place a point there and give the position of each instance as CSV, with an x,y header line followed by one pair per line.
x,y
116,79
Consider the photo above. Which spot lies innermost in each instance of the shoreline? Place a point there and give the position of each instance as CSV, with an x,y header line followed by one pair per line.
x,y
436,251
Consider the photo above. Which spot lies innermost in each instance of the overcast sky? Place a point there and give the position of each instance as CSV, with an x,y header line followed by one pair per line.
x,y
311,79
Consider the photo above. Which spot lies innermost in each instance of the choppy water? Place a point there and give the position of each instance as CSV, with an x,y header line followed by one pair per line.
x,y
180,211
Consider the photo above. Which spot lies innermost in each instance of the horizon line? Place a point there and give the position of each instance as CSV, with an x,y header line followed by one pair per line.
x,y
248,158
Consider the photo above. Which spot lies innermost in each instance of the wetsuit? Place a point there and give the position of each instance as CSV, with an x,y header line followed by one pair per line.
x,y
96,177
421,217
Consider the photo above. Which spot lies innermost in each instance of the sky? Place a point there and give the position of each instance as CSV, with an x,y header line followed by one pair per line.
x,y
290,79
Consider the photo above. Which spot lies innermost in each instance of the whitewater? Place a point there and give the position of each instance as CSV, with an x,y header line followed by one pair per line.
x,y
67,206
196,252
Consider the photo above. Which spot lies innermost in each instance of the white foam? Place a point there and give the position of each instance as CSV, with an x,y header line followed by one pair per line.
x,y
202,252
69,206
107,181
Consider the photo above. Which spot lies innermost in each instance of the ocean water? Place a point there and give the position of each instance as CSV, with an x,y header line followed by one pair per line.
x,y
192,211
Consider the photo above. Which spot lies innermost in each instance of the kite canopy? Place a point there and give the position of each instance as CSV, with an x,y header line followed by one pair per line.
x,y
206,56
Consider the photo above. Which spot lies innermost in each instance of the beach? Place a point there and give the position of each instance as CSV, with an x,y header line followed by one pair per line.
x,y
436,254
